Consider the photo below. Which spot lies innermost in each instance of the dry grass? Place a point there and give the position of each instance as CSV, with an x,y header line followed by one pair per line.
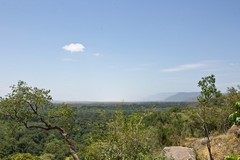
x,y
222,145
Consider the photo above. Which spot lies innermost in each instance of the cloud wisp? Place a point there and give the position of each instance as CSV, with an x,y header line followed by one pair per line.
x,y
185,67
74,47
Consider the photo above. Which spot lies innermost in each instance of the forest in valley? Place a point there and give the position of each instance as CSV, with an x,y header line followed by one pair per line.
x,y
33,127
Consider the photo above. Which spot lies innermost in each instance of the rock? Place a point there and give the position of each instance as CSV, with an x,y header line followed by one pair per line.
x,y
199,143
204,141
178,153
234,130
237,133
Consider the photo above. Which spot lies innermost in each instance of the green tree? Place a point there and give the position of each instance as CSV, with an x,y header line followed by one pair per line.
x,y
234,118
24,156
208,93
33,108
127,138
56,148
232,96
47,156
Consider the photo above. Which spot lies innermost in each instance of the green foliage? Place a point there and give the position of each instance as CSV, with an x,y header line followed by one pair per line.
x,y
57,148
233,95
207,100
226,108
68,158
168,127
47,156
234,118
24,156
32,107
62,115
126,138
137,131
208,92
23,101
232,157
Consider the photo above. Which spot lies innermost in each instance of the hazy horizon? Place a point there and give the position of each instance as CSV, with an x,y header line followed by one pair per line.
x,y
113,50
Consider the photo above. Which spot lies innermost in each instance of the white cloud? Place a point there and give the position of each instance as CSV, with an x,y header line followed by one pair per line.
x,y
74,47
96,54
184,67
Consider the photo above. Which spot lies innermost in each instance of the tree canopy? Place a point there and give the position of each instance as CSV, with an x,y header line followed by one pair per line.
x,y
32,107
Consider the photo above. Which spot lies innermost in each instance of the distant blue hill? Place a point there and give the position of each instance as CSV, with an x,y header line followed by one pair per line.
x,y
183,97
173,97
158,97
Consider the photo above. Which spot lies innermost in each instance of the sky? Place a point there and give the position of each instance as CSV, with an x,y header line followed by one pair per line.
x,y
114,50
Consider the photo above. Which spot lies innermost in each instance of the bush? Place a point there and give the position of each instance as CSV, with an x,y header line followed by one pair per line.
x,y
232,157
234,118
24,156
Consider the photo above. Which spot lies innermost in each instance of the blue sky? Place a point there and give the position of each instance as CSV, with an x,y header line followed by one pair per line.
x,y
109,50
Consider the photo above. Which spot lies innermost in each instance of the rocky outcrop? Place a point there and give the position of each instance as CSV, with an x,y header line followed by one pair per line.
x,y
178,153
235,130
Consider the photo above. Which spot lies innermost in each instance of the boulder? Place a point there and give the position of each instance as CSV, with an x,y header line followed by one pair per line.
x,y
204,141
234,130
237,133
179,153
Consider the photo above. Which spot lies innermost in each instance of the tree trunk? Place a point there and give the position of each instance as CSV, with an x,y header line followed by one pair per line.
x,y
208,142
71,145
62,131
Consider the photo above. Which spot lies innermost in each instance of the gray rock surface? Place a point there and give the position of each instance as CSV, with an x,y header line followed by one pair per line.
x,y
235,130
179,153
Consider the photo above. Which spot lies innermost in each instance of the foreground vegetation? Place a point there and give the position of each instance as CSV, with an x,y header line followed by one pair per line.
x,y
32,127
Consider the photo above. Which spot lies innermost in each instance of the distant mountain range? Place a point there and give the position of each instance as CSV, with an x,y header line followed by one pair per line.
x,y
173,97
